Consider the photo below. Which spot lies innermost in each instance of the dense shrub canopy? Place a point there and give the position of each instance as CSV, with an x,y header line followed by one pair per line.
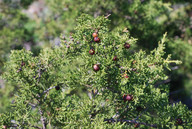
x,y
62,87
146,20
67,69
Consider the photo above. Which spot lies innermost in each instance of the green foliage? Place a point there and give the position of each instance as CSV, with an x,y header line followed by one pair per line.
x,y
146,20
100,102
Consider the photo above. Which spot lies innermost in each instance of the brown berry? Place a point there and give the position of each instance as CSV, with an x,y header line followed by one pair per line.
x,y
19,70
57,87
23,63
125,75
4,127
126,45
96,67
96,39
136,125
179,121
127,98
115,58
92,51
134,62
95,34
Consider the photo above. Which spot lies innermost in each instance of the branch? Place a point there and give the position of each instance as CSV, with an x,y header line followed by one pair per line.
x,y
15,125
130,122
175,67
47,90
89,86
162,82
141,113
42,119
32,105
176,92
35,126
40,72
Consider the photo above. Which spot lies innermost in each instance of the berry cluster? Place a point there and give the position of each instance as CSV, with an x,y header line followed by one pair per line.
x,y
92,52
95,37
96,67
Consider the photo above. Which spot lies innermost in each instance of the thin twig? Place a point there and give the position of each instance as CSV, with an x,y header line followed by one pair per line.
x,y
107,15
141,113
